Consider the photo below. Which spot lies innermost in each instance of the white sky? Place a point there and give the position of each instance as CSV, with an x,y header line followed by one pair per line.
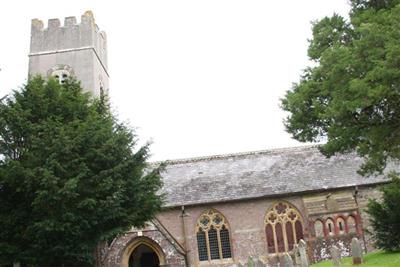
x,y
195,77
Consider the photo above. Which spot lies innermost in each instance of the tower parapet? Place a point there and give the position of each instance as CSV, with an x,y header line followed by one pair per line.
x,y
81,47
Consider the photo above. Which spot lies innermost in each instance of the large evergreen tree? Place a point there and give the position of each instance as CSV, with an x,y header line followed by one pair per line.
x,y
385,216
350,97
69,176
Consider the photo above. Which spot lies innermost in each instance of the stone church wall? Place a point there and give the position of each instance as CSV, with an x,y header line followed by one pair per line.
x,y
116,254
247,228
320,246
246,222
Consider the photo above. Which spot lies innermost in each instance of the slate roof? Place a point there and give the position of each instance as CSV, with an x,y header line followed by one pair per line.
x,y
259,174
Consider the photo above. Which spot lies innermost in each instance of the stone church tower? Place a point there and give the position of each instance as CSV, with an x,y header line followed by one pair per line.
x,y
72,49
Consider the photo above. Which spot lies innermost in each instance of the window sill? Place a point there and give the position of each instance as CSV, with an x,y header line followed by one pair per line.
x,y
216,262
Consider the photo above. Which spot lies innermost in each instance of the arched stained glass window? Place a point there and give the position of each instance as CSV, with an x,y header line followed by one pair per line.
x,y
279,237
283,227
270,238
201,245
213,241
289,235
299,231
225,243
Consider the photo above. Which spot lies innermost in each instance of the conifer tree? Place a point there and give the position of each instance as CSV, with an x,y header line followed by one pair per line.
x,y
71,176
350,98
385,217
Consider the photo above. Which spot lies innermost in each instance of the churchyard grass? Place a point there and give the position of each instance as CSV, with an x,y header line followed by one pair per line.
x,y
375,259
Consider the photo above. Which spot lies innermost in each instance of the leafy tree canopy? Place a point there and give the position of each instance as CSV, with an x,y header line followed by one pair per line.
x,y
69,176
350,97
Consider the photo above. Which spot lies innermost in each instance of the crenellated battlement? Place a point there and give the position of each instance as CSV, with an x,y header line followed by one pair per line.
x,y
52,24
76,48
70,35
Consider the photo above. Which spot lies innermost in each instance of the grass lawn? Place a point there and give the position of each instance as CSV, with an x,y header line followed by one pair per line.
x,y
375,259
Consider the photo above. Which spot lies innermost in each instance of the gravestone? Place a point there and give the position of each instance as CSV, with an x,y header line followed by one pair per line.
x,y
287,260
16,264
259,263
297,260
336,257
356,251
303,253
250,262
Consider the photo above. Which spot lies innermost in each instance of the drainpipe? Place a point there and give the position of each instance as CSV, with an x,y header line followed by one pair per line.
x,y
185,241
360,218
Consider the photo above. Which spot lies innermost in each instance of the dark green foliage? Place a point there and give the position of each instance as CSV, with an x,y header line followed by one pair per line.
x,y
385,216
69,178
361,5
350,98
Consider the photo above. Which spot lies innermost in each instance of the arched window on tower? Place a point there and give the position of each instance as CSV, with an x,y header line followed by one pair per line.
x,y
213,239
283,227
61,75
60,72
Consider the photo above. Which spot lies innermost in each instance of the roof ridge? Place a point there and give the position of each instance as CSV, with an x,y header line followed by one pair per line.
x,y
231,155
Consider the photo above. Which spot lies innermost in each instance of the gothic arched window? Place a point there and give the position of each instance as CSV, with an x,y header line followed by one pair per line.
x,y
213,240
283,227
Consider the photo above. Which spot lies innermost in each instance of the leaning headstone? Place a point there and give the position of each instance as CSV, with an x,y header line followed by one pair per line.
x,y
250,262
296,252
259,263
356,251
303,253
287,260
336,257
16,264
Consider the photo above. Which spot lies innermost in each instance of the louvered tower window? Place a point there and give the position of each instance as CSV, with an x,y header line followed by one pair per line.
x,y
213,241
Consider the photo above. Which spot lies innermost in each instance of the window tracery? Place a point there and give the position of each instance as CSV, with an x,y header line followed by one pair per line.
x,y
60,72
61,75
283,227
213,239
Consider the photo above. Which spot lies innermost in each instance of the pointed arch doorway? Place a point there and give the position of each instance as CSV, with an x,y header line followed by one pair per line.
x,y
143,252
144,256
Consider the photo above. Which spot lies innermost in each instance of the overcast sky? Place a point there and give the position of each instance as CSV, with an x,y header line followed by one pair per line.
x,y
195,77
